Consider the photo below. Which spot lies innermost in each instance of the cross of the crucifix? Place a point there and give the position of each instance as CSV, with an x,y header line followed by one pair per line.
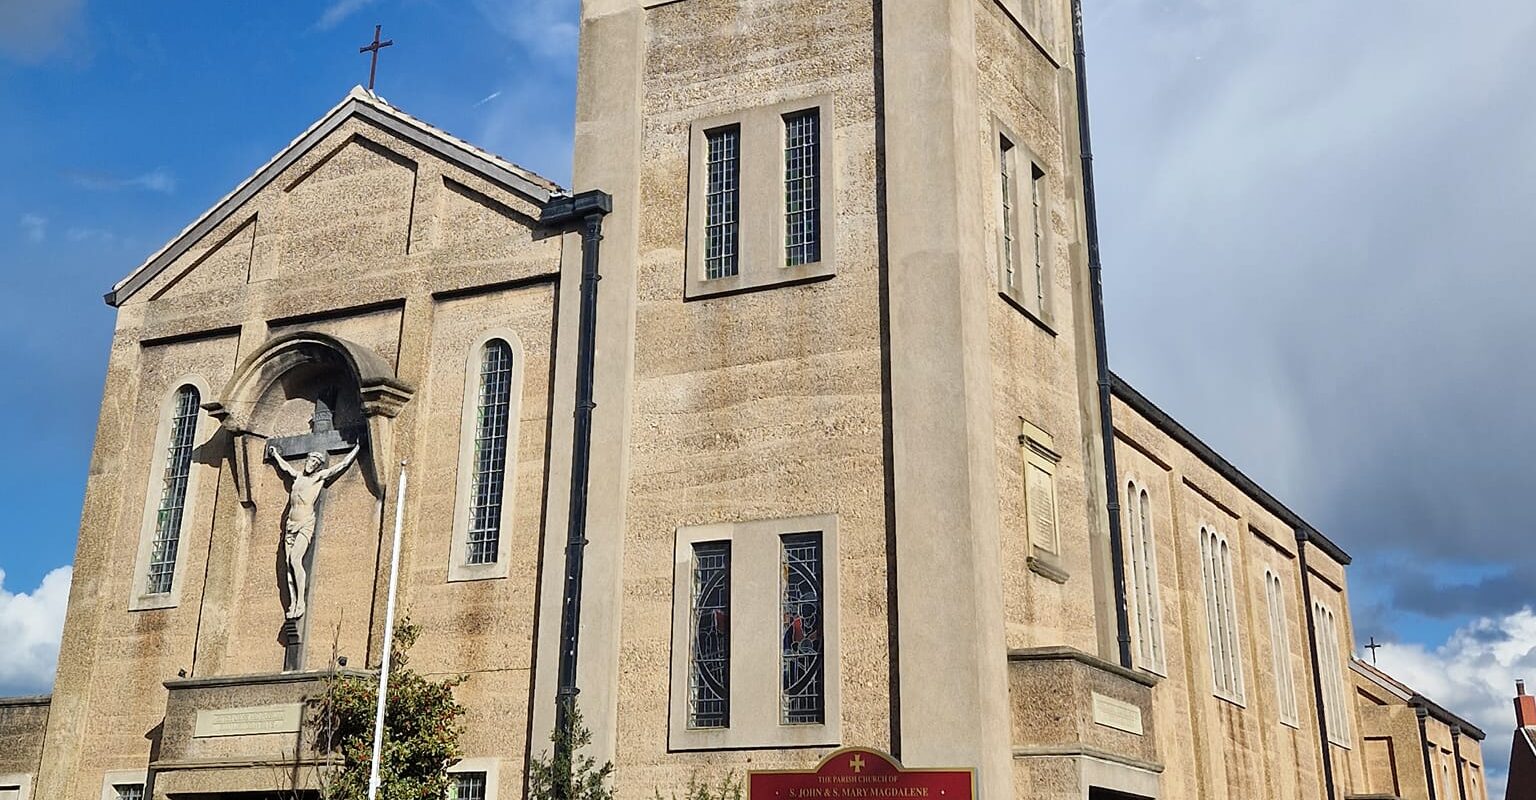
x,y
1373,647
374,48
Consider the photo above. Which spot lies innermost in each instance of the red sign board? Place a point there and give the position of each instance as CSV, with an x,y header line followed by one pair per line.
x,y
855,773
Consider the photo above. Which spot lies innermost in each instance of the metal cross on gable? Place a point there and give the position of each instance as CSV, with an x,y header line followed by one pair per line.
x,y
374,48
1373,647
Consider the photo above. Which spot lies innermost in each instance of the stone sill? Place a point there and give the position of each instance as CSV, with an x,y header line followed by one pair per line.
x,y
1085,751
262,679
1069,654
1046,566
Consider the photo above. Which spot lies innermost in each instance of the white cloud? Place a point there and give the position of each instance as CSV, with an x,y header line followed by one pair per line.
x,y
34,227
544,27
159,179
1473,674
32,30
31,625
338,11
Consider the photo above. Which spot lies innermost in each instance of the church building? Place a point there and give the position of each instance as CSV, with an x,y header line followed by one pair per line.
x,y
836,428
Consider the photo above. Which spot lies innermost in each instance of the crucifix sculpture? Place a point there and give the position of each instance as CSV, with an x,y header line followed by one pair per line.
x,y
299,526
374,48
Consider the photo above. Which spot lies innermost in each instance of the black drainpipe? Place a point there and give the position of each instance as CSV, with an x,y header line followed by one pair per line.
x,y
1429,770
1302,536
1461,782
1100,342
585,210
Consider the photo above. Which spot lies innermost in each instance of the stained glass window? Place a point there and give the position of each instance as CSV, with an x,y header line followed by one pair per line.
x,y
709,674
173,492
468,786
492,420
802,646
802,187
721,202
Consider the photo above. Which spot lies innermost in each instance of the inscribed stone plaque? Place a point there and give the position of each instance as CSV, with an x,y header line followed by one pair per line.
x,y
1117,714
249,720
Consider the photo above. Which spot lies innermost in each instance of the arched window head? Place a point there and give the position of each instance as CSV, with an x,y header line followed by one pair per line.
x,y
492,425
161,574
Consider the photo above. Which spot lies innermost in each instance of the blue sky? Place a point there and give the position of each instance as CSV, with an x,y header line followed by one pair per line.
x,y
1315,222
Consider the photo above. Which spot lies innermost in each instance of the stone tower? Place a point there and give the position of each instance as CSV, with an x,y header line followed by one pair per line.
x,y
920,389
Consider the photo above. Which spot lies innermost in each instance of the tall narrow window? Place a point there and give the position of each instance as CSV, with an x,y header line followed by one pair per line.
x,y
1221,614
1280,644
1008,222
1331,664
709,676
722,203
803,698
173,492
802,187
1037,231
492,417
1144,577
469,786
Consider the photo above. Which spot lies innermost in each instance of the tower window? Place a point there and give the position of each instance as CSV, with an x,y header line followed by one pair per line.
x,y
802,187
722,203
1023,229
173,492
709,675
801,637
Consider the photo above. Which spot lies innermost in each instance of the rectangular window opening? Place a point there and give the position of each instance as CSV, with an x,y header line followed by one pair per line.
x,y
802,187
709,673
1038,222
128,791
1005,153
722,203
802,646
468,786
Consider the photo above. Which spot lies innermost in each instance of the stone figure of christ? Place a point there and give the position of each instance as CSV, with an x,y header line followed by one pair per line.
x,y
299,529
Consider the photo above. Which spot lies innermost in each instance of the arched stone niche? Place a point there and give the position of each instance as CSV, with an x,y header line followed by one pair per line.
x,y
315,384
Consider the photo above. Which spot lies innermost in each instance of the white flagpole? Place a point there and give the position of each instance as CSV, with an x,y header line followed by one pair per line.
x,y
389,638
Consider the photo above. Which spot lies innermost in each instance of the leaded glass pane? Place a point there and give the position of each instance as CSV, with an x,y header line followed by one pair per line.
x,y
709,672
128,791
468,786
802,187
173,492
492,420
803,697
721,202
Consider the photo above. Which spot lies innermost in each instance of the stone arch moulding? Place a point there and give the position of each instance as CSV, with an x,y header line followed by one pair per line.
x,y
382,397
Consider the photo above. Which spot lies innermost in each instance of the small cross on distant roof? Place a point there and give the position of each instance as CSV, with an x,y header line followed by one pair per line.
x,y
1373,647
374,48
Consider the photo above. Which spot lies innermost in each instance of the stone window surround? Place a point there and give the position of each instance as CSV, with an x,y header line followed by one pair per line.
x,y
1154,655
139,599
489,765
1331,665
1038,449
458,567
1212,591
120,776
1280,645
1023,227
22,781
755,636
761,225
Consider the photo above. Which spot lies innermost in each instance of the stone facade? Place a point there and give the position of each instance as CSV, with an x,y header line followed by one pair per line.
x,y
918,401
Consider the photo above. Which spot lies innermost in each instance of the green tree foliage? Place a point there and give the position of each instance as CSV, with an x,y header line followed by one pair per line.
x,y
729,788
564,773
422,728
